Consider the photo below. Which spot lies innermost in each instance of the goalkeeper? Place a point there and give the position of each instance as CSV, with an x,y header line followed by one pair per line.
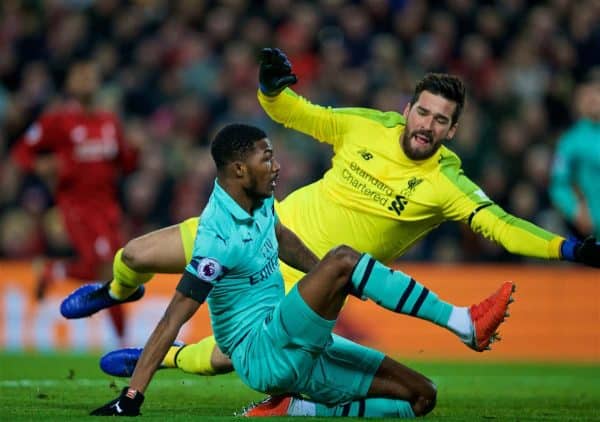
x,y
391,182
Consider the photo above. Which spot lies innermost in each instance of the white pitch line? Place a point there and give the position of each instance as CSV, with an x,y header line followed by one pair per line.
x,y
85,383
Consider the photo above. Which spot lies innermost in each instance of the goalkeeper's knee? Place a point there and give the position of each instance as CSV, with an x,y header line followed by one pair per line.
x,y
125,280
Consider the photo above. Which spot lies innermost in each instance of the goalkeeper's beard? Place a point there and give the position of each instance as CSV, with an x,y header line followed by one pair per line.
x,y
419,154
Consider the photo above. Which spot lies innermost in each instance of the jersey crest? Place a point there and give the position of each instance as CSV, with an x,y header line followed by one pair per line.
x,y
401,200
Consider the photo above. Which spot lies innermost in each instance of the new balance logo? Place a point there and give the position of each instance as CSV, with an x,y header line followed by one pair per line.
x,y
366,155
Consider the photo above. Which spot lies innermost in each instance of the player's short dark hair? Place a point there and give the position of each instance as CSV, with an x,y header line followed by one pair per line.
x,y
448,86
233,142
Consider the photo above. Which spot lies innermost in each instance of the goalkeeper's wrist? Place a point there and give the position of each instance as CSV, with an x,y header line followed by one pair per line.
x,y
568,248
269,93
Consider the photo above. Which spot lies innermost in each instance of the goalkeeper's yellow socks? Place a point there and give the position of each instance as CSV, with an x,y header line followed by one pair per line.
x,y
368,408
125,281
400,293
169,359
192,358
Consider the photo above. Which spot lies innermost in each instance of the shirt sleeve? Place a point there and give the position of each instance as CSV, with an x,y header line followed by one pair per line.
x,y
561,189
39,137
213,256
516,235
460,198
326,124
464,201
295,112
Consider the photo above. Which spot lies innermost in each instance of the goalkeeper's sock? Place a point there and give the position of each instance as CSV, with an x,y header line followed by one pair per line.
x,y
400,293
368,408
126,281
169,359
192,358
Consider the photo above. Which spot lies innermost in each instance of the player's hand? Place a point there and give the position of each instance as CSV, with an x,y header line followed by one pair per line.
x,y
275,72
586,252
127,404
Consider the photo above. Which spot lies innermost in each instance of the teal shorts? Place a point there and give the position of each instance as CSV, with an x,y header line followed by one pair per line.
x,y
294,351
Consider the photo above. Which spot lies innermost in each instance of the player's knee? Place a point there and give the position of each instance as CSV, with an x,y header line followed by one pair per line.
x,y
133,255
426,399
342,259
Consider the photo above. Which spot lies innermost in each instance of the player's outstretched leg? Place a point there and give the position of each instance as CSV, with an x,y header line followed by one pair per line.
x,y
476,326
488,315
162,251
91,298
122,362
199,358
287,405
395,391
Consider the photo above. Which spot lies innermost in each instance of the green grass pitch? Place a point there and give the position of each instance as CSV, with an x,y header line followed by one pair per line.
x,y
60,387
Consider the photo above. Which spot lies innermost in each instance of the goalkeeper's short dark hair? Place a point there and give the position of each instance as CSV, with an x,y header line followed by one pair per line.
x,y
233,142
448,86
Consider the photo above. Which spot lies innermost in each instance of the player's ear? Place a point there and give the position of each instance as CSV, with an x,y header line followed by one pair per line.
x,y
452,131
240,169
406,110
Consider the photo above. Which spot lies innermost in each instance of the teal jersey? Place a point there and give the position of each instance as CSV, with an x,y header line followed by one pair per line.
x,y
577,168
237,254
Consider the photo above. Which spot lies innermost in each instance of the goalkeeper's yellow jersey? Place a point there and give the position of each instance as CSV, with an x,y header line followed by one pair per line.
x,y
377,200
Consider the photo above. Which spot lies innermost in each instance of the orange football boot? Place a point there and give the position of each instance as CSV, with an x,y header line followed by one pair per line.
x,y
271,406
488,315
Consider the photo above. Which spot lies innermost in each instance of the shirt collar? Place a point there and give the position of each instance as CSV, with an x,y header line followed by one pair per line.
x,y
230,205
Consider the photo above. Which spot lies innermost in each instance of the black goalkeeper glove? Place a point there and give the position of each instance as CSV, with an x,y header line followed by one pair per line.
x,y
586,252
275,72
127,404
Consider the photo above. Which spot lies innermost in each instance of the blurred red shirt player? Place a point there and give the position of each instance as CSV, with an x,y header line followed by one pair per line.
x,y
86,146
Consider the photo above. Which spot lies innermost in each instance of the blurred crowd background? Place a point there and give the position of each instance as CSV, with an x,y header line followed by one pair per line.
x,y
175,71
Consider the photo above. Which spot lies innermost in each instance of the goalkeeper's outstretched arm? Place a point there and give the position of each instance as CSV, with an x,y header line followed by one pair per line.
x,y
524,238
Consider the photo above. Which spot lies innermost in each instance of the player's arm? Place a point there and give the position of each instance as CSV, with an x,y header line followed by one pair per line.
x,y
196,283
293,251
521,237
464,201
28,151
516,235
191,293
286,107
